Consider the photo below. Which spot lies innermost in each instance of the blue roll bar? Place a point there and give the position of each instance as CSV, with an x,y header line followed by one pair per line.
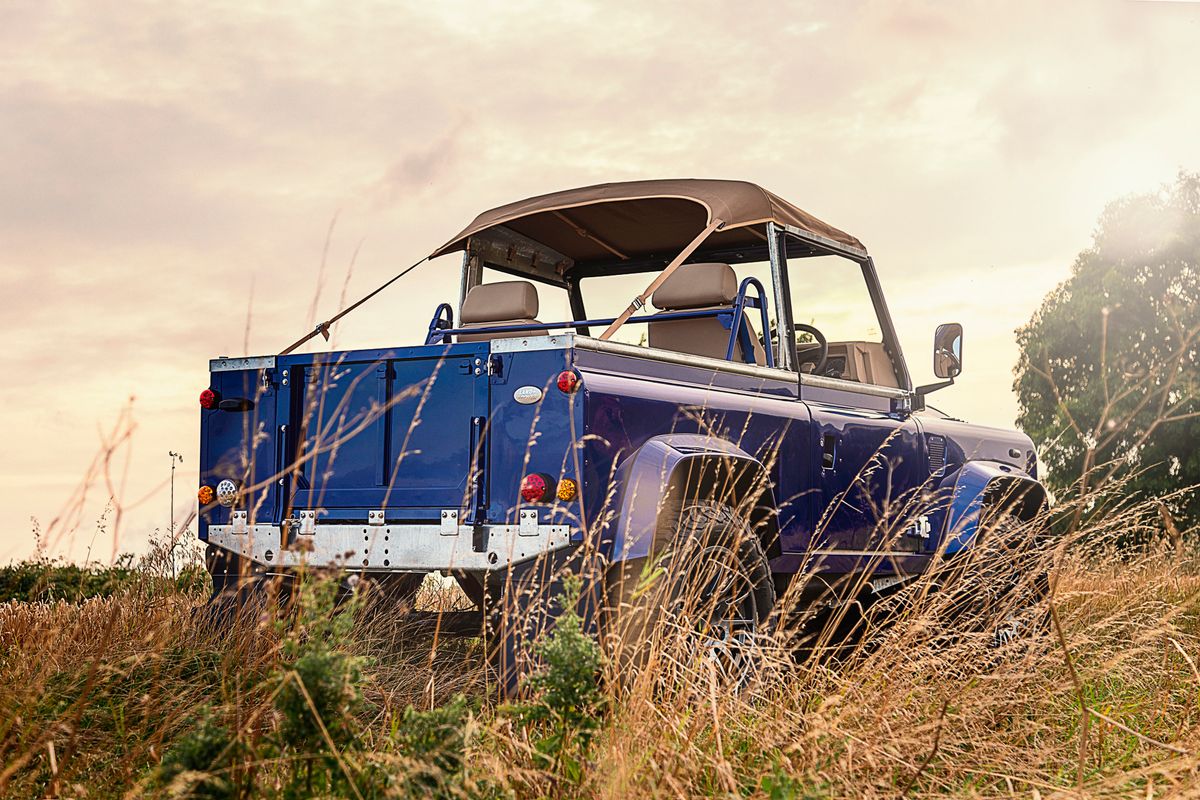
x,y
739,333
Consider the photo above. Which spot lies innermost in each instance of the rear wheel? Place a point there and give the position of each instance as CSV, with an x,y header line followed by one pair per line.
x,y
706,595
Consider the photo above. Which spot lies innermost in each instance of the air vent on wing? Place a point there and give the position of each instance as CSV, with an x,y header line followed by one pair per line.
x,y
937,453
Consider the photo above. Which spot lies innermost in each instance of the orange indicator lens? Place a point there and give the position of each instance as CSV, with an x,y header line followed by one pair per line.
x,y
567,489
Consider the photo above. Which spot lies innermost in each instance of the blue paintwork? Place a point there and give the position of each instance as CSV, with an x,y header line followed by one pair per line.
x,y
958,521
740,335
421,422
640,480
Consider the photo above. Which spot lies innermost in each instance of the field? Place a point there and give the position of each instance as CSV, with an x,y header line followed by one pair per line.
x,y
129,693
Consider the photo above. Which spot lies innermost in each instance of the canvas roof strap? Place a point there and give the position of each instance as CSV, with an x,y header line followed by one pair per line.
x,y
639,302
323,327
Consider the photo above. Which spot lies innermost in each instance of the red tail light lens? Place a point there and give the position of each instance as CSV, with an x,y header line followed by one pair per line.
x,y
568,381
209,399
535,488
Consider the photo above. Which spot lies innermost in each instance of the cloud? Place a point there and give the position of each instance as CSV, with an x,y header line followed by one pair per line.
x,y
157,162
420,170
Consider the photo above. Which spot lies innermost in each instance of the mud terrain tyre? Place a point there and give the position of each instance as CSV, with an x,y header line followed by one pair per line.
x,y
708,588
1000,590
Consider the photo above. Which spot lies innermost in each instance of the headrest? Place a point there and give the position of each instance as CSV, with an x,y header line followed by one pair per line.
x,y
697,286
499,302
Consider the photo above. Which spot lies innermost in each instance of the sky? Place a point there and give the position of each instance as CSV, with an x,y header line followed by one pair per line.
x,y
183,181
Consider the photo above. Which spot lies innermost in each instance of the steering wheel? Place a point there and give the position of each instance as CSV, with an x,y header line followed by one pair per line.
x,y
443,320
824,347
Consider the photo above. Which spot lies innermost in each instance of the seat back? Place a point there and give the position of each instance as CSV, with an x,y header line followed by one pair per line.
x,y
503,303
697,287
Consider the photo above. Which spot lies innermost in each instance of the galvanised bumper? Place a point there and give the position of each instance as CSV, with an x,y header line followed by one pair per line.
x,y
395,548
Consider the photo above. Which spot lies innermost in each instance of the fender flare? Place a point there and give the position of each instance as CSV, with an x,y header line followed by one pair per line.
x,y
659,472
975,485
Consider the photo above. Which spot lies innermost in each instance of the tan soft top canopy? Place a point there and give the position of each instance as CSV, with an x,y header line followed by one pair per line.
x,y
619,221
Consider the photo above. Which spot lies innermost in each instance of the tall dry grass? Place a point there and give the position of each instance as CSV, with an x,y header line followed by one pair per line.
x,y
1099,700
908,696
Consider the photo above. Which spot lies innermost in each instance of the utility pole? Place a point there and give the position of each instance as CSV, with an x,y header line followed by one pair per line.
x,y
176,458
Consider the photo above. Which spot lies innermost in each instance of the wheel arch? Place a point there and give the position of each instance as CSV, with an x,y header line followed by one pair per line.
x,y
666,470
979,486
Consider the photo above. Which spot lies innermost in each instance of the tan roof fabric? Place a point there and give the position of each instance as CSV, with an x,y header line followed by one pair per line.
x,y
613,221
697,286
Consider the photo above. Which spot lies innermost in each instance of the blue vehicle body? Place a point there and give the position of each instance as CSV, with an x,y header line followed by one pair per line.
x,y
626,436
412,459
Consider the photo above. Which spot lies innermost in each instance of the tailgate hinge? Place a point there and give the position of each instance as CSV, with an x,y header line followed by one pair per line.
x,y
527,522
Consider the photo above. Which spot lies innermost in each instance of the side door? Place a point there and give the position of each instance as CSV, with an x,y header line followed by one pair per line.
x,y
870,467
870,477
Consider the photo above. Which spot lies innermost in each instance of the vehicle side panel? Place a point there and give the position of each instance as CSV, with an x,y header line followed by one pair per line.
x,y
872,473
758,416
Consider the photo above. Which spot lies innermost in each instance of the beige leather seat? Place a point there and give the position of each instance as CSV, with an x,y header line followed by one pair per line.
x,y
695,287
503,303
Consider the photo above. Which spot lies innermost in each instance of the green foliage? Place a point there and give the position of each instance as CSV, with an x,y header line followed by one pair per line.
x,y
780,785
200,764
45,581
1109,368
566,701
319,690
435,743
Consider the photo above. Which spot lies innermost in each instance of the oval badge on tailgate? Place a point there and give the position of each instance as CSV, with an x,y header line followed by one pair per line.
x,y
527,395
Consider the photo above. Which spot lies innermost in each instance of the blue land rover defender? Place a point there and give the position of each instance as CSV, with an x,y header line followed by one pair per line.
x,y
708,414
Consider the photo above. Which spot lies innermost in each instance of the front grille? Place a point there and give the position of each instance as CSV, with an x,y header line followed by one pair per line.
x,y
937,453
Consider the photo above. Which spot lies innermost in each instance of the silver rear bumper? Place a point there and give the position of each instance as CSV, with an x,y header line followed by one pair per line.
x,y
399,548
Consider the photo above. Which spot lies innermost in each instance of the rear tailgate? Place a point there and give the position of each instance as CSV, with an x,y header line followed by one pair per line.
x,y
391,431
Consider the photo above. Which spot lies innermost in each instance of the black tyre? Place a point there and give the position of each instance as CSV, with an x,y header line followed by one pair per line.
x,y
706,593
519,607
999,587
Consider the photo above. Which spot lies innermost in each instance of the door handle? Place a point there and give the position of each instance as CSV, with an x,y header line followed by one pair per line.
x,y
828,451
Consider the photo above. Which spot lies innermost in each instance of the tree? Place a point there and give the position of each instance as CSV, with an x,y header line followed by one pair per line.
x,y
1108,379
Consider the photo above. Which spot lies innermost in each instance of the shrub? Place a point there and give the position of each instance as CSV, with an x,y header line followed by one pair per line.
x,y
564,712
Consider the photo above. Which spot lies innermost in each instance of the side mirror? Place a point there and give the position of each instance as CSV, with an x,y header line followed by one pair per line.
x,y
947,350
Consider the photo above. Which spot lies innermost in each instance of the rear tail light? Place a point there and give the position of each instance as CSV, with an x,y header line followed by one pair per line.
x,y
535,488
205,495
568,381
209,399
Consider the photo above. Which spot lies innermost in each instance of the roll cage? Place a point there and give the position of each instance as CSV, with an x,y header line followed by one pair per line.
x,y
507,252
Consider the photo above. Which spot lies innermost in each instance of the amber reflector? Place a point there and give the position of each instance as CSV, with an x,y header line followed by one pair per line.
x,y
567,489
205,495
